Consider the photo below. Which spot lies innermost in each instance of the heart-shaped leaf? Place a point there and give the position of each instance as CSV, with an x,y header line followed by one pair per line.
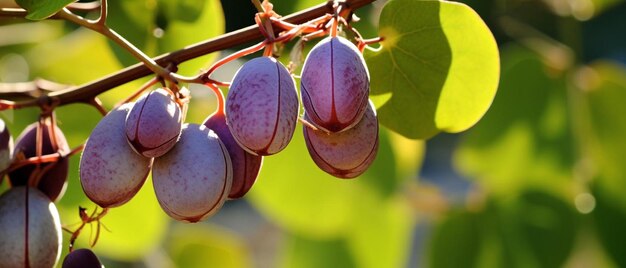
x,y
440,63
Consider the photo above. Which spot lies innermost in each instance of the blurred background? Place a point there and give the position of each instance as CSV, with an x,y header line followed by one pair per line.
x,y
540,181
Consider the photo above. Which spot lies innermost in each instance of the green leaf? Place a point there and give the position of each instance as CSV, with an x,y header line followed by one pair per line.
x,y
284,7
604,88
525,138
303,252
42,9
610,212
165,26
134,20
603,85
206,246
537,229
180,33
184,10
532,229
456,241
440,63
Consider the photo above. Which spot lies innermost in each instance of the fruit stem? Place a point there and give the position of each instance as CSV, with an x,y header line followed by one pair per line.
x,y
259,7
103,13
231,57
85,219
96,103
335,20
48,158
220,98
269,50
143,88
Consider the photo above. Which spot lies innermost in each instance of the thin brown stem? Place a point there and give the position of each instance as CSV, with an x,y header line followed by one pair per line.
x,y
96,103
85,219
236,55
102,20
219,96
259,7
100,27
136,94
86,92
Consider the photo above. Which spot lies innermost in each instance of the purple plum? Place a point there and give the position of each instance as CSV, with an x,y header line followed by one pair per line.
x,y
345,154
262,106
111,173
53,181
154,123
334,85
246,166
193,180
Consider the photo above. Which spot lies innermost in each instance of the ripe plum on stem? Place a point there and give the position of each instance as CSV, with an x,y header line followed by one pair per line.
x,y
246,166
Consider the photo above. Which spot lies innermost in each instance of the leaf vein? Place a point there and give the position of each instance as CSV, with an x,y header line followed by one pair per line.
x,y
397,67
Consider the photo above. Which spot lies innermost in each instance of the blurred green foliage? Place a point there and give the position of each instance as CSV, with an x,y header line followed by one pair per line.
x,y
545,164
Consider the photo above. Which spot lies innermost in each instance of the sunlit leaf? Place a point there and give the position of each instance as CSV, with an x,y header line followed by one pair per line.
x,y
42,9
441,64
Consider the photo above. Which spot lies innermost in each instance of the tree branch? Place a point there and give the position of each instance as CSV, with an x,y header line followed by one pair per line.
x,y
87,92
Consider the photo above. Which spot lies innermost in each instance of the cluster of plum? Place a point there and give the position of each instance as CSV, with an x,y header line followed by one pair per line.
x,y
30,227
195,168
341,129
